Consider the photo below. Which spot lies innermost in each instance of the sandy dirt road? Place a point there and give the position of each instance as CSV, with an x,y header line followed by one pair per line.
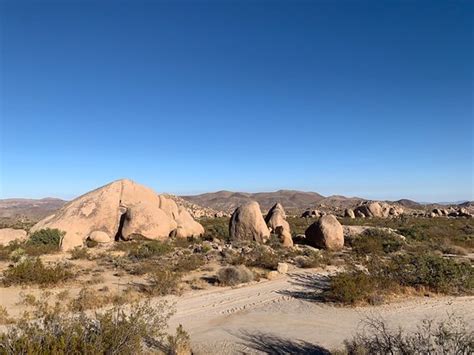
x,y
282,316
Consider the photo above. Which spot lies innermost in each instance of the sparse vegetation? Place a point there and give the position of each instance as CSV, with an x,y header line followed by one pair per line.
x,y
163,282
179,344
148,249
450,336
46,237
376,242
216,228
382,277
114,331
260,256
34,271
44,241
234,275
79,253
189,263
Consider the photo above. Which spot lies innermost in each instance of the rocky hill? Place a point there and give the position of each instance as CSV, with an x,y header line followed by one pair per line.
x,y
195,210
228,201
33,209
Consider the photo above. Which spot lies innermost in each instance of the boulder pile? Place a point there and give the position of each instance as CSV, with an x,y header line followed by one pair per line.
x,y
377,209
120,210
276,222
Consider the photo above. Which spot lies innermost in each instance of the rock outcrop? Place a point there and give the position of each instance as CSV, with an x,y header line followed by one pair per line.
x,y
187,226
326,233
349,213
276,221
247,223
276,217
8,235
119,210
369,209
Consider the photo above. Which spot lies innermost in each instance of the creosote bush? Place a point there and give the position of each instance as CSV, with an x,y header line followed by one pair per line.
x,y
436,273
382,277
114,331
234,275
261,256
149,249
34,271
376,241
46,237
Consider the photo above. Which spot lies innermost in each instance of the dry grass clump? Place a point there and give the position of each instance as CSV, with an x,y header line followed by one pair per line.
x,y
189,263
234,275
4,316
80,253
88,299
34,271
449,336
179,344
163,282
311,259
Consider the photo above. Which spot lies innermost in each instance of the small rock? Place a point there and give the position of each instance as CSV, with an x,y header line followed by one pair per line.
x,y
272,275
282,268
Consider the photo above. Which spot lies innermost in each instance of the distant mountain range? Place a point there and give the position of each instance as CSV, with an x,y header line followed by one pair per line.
x,y
293,201
226,201
30,208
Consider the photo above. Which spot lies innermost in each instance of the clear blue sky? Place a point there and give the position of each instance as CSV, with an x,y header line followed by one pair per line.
x,y
366,98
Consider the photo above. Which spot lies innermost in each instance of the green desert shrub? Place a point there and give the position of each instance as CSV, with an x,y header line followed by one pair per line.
x,y
216,228
149,249
376,241
234,275
434,272
34,271
114,331
352,287
46,237
261,256
382,277
44,241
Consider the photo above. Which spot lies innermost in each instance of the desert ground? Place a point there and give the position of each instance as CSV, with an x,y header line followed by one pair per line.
x,y
254,281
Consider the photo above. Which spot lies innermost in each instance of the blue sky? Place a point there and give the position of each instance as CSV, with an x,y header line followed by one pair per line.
x,y
366,98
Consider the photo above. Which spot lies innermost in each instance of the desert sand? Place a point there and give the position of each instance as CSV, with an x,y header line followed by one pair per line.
x,y
283,315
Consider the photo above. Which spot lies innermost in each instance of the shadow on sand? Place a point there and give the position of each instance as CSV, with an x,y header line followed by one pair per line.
x,y
311,287
272,344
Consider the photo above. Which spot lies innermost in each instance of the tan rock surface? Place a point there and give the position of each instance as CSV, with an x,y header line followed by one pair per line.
x,y
8,235
326,233
122,209
247,223
187,226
